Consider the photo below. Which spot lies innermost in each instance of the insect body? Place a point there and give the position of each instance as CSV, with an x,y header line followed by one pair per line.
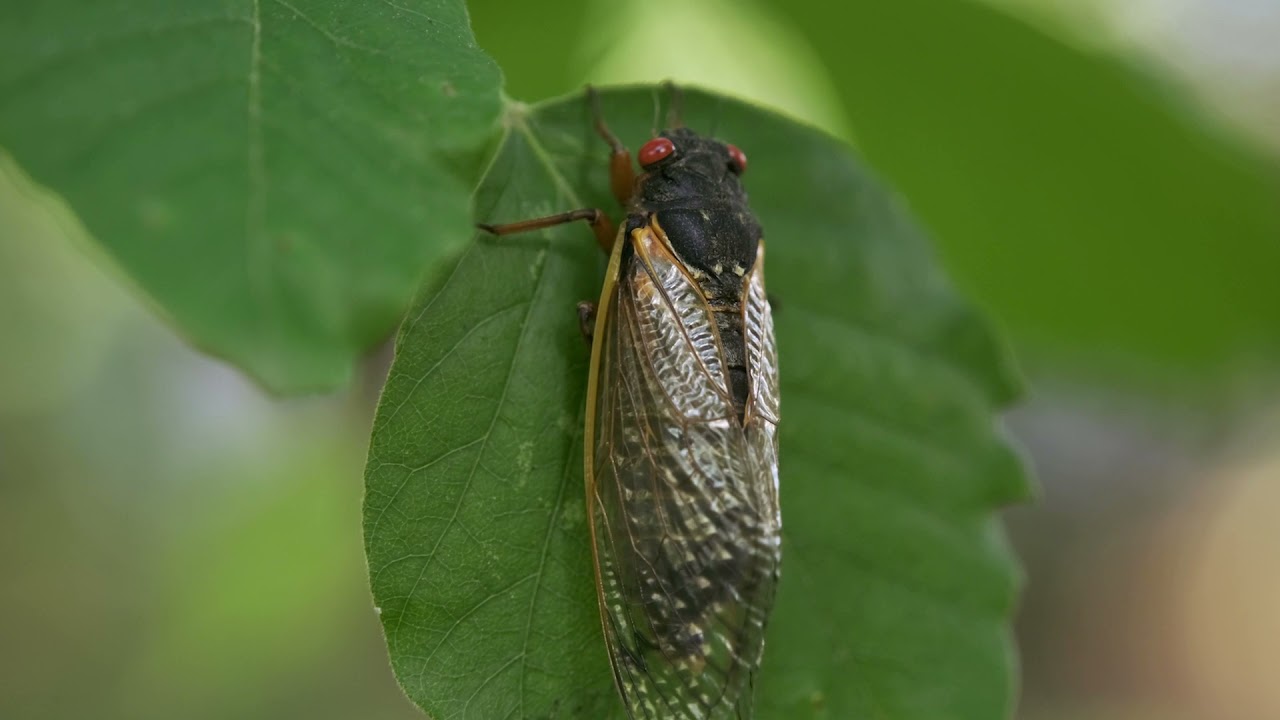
x,y
681,435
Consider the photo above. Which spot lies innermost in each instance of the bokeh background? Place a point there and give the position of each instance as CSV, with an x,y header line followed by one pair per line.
x,y
1103,177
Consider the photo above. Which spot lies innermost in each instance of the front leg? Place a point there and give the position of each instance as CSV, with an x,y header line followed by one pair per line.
x,y
600,224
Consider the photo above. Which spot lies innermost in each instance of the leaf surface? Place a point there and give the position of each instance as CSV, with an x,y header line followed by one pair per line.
x,y
274,174
897,586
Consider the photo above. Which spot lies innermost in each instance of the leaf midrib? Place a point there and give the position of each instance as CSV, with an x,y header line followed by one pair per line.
x,y
519,118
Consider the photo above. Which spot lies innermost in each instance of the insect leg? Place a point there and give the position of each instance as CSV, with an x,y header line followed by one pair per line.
x,y
600,224
587,320
622,176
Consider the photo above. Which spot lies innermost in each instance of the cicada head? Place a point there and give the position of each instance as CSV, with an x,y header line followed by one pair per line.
x,y
680,161
694,185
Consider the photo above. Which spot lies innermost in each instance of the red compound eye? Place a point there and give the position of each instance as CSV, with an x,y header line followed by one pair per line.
x,y
738,159
654,150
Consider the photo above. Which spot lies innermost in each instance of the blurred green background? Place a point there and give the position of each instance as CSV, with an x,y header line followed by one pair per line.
x,y
1103,177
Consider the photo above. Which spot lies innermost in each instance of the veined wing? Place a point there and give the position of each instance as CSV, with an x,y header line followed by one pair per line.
x,y
761,422
683,493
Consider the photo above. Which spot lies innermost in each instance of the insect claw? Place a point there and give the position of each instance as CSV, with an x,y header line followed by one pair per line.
x,y
587,320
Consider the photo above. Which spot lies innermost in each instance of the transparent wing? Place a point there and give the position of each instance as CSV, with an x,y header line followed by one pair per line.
x,y
683,494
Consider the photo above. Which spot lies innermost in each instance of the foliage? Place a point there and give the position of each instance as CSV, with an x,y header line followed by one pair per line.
x,y
276,175
273,174
896,586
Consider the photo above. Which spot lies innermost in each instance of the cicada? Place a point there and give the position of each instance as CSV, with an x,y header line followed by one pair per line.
x,y
681,428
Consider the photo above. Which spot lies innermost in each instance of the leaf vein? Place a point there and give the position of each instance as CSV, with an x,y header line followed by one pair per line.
x,y
457,623
488,433
125,39
408,476
258,257
409,11
431,370
337,40
546,545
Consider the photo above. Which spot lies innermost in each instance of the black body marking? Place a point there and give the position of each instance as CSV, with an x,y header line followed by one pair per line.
x,y
698,200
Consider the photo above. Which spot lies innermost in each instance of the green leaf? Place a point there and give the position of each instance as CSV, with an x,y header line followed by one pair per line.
x,y
274,174
897,585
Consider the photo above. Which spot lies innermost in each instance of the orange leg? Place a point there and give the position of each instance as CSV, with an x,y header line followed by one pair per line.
x,y
622,176
599,222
